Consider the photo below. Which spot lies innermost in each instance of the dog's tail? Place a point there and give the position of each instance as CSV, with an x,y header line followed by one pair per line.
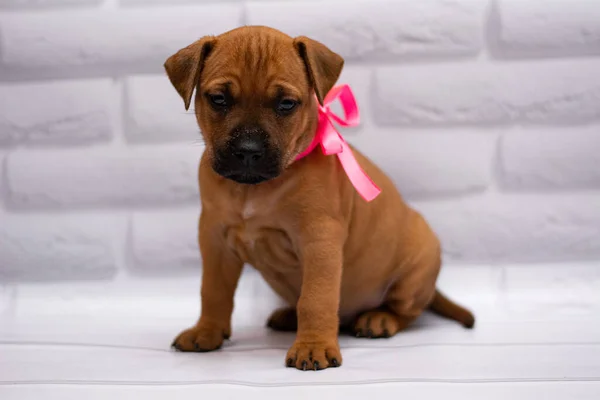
x,y
445,307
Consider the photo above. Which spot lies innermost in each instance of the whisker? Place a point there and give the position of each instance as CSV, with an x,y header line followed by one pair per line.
x,y
198,142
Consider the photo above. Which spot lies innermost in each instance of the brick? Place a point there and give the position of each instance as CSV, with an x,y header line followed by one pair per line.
x,y
548,27
46,3
380,30
430,164
551,158
101,177
3,153
65,247
495,228
165,241
169,2
550,92
122,37
156,112
56,112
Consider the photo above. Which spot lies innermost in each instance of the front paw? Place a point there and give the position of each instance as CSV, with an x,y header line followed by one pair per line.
x,y
200,339
314,355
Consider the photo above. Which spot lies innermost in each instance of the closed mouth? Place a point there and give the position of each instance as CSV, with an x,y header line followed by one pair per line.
x,y
247,178
231,169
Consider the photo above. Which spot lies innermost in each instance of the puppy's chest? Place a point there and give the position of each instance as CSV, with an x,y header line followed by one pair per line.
x,y
258,240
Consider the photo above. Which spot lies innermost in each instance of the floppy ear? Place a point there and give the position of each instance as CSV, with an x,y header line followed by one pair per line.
x,y
184,67
323,65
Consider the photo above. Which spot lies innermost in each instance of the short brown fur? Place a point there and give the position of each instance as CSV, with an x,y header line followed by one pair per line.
x,y
334,258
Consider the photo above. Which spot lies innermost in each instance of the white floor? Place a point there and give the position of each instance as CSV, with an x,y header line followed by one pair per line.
x,y
537,337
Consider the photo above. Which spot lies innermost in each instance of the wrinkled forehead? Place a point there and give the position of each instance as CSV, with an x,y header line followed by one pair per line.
x,y
255,65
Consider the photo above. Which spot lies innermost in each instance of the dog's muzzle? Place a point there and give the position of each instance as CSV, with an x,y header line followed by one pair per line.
x,y
248,158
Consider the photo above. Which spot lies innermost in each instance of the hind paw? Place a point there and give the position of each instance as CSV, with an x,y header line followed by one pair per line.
x,y
284,319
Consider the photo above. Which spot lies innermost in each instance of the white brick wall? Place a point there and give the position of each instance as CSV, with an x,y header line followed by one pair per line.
x,y
100,177
463,93
165,240
549,27
107,37
381,30
486,113
39,247
66,113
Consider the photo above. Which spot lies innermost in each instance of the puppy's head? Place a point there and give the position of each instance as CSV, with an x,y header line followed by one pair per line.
x,y
255,97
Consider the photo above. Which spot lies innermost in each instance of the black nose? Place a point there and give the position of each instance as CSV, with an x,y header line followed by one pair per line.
x,y
248,150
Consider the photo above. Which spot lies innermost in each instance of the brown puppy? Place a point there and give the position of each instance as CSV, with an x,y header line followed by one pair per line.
x,y
335,258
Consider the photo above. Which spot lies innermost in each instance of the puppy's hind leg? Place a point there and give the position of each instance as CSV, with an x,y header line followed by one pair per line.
x,y
382,322
406,300
284,320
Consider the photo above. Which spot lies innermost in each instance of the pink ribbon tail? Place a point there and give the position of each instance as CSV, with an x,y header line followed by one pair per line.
x,y
333,143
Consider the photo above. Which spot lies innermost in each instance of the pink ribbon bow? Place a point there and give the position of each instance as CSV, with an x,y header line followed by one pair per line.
x,y
333,143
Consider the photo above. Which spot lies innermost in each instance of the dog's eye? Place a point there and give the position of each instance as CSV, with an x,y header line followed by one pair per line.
x,y
286,105
218,100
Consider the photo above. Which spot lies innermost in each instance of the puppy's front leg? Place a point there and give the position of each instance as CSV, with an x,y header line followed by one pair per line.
x,y
221,271
316,346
